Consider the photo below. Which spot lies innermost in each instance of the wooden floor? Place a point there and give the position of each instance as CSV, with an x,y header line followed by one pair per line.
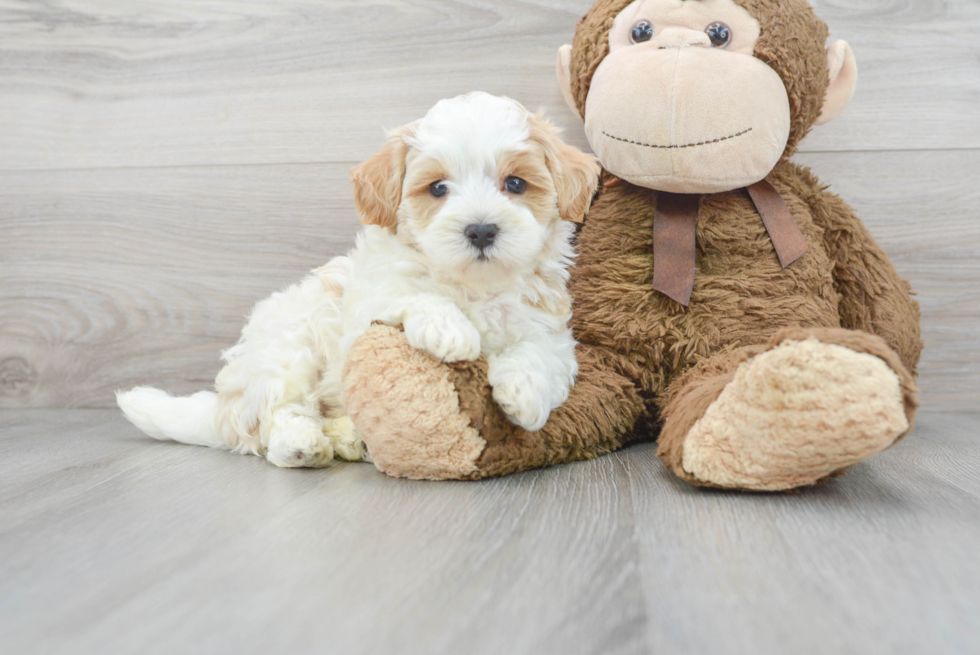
x,y
113,543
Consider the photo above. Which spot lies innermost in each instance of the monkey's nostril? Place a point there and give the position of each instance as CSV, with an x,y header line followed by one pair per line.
x,y
481,236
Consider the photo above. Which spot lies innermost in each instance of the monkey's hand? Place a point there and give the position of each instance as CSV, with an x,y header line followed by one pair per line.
x,y
424,419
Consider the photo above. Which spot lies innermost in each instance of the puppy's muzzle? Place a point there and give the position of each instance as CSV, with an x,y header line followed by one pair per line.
x,y
481,236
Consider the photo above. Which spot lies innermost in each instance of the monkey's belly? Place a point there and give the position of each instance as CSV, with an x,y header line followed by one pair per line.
x,y
742,296
738,301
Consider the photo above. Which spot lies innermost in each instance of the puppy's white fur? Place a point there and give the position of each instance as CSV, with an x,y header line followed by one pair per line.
x,y
280,392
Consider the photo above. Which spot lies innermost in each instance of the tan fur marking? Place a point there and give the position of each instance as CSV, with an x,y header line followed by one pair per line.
x,y
575,173
561,309
541,197
420,206
378,182
424,173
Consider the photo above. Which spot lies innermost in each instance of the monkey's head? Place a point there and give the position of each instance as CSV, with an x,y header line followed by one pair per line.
x,y
702,96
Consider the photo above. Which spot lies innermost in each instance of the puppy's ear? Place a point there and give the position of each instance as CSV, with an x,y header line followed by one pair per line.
x,y
378,182
576,174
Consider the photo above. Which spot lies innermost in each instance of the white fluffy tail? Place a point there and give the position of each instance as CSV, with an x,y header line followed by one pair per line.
x,y
191,420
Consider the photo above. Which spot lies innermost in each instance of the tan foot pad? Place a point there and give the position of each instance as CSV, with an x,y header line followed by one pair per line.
x,y
794,415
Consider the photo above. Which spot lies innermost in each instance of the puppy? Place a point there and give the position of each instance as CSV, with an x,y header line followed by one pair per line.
x,y
470,218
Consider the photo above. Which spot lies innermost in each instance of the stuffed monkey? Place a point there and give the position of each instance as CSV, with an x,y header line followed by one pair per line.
x,y
725,303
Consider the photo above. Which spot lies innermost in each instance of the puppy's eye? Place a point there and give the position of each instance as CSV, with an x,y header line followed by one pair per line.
x,y
515,185
642,32
438,189
719,33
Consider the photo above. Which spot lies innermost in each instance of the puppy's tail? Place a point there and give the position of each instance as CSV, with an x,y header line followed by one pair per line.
x,y
191,419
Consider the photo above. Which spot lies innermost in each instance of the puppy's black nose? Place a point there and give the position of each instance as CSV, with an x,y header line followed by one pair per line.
x,y
481,236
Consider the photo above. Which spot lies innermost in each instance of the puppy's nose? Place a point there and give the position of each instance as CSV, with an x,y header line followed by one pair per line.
x,y
481,236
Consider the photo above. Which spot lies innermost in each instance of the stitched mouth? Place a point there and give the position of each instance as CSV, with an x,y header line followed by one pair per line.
x,y
686,145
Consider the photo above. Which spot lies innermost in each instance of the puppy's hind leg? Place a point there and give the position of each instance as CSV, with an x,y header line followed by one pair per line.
x,y
297,440
347,443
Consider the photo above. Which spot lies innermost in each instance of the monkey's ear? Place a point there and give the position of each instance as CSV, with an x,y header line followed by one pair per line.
x,y
843,80
378,182
563,67
575,174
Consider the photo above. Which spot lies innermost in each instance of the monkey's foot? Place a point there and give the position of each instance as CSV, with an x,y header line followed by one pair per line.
x,y
795,415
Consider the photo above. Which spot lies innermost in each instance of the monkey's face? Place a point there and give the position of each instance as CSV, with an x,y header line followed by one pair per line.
x,y
681,104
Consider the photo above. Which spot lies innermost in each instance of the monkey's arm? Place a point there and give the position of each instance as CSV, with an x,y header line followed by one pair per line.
x,y
874,298
424,419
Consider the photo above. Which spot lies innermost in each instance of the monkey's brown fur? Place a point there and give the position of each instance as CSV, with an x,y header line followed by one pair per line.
x,y
650,367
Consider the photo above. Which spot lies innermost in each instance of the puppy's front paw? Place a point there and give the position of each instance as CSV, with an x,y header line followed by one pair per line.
x,y
523,396
446,336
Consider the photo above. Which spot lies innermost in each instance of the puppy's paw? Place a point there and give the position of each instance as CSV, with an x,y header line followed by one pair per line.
x,y
299,443
523,396
448,336
345,440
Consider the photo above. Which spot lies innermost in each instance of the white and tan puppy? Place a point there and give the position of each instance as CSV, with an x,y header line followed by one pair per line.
x,y
469,216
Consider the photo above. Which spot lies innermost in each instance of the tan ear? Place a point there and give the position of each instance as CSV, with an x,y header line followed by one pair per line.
x,y
843,70
378,182
576,174
565,76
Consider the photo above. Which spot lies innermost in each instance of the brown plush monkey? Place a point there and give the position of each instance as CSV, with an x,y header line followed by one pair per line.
x,y
724,302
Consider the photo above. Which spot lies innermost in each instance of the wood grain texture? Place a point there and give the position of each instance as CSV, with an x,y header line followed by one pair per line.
x,y
89,83
172,549
865,564
113,543
114,278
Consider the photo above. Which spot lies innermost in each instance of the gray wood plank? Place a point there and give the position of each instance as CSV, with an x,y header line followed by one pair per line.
x,y
882,560
113,543
90,83
110,542
114,278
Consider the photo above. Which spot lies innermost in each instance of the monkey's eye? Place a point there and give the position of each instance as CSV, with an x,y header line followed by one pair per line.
x,y
438,189
642,32
719,33
515,185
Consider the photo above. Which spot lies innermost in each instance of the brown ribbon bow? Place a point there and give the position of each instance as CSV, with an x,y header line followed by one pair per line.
x,y
673,237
